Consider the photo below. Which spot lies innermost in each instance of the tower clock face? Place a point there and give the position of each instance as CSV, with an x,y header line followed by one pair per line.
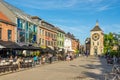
x,y
95,36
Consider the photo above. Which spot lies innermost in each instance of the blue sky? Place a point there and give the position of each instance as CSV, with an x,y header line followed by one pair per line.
x,y
75,16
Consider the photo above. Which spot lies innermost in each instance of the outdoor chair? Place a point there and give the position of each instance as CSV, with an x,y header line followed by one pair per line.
x,y
2,69
4,66
14,66
25,64
30,63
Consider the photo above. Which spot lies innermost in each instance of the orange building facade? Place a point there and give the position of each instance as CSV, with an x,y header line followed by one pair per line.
x,y
75,44
48,35
7,29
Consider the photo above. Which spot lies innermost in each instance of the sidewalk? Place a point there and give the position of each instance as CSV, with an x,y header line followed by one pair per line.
x,y
81,68
24,69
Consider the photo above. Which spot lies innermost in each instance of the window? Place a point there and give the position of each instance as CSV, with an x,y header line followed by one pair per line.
x,y
26,26
22,36
48,34
43,32
46,42
19,23
0,33
52,35
40,31
40,40
9,35
54,43
51,43
23,24
97,43
58,43
60,34
27,37
34,28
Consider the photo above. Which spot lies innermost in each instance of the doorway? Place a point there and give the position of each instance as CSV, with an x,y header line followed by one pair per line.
x,y
95,51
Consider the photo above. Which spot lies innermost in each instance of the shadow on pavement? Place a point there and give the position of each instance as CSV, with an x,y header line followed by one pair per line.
x,y
97,70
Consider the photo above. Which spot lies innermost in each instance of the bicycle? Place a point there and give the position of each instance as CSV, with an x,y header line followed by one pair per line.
x,y
115,74
112,76
116,69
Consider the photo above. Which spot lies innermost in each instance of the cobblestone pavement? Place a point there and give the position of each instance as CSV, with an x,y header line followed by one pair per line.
x,y
82,68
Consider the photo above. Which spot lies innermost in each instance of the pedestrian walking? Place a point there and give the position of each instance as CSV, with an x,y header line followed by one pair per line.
x,y
50,57
35,59
43,59
114,59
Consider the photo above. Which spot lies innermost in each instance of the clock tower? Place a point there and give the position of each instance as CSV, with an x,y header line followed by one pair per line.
x,y
97,39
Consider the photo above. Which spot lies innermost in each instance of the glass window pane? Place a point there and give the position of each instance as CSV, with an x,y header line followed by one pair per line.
x,y
9,35
22,36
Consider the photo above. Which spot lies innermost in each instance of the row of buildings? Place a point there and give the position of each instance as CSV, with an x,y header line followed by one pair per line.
x,y
24,29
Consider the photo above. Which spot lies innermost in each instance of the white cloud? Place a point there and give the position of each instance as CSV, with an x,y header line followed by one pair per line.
x,y
103,8
84,5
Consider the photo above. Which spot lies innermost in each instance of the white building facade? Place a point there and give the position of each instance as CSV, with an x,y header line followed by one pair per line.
x,y
67,44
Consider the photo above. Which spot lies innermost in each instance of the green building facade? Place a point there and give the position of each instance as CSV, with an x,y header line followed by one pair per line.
x,y
60,38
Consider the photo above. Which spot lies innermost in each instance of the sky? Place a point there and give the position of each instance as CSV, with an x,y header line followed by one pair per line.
x,y
75,16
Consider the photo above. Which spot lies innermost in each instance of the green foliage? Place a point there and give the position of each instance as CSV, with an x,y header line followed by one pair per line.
x,y
110,40
114,52
36,53
76,51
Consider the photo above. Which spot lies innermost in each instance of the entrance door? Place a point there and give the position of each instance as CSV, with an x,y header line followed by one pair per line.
x,y
95,51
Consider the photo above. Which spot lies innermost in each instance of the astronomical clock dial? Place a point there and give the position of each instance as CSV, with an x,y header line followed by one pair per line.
x,y
95,36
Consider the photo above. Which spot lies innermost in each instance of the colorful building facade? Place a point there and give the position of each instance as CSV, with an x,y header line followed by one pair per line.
x,y
67,44
50,34
60,38
26,28
26,32
7,29
75,44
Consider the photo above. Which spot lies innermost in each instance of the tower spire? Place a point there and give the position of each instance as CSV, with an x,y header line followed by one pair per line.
x,y
97,23
96,28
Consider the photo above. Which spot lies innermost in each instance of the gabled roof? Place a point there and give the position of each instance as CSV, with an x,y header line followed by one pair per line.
x,y
17,12
3,17
5,20
60,30
36,17
96,28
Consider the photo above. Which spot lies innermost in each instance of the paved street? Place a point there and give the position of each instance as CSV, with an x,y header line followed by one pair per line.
x,y
81,67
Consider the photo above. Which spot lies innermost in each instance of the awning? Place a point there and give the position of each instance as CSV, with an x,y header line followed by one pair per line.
x,y
71,50
31,47
49,50
13,45
8,45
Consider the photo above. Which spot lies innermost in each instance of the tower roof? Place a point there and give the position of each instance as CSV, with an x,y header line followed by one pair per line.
x,y
96,28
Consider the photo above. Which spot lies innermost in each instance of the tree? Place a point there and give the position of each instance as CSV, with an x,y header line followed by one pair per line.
x,y
110,41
